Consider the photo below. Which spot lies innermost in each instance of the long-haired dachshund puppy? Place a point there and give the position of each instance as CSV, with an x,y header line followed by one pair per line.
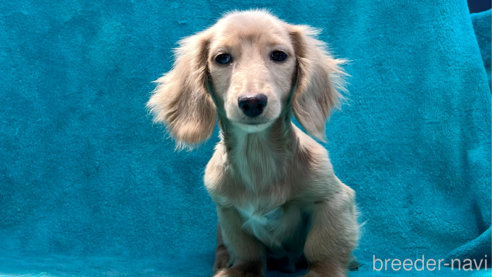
x,y
277,196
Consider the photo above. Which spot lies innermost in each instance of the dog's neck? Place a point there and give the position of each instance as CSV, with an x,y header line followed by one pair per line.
x,y
263,158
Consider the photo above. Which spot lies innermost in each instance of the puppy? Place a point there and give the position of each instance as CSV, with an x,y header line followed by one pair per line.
x,y
277,196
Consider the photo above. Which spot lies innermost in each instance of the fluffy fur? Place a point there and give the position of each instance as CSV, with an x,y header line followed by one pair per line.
x,y
277,196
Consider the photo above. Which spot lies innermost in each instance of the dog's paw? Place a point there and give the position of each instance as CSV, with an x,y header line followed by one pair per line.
x,y
232,272
326,273
315,274
221,261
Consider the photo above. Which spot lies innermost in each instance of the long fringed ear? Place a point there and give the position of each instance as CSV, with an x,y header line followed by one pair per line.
x,y
318,77
180,100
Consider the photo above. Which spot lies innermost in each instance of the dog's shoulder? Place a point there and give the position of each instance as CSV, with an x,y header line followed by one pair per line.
x,y
215,171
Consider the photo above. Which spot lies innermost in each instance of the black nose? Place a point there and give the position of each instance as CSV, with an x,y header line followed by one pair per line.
x,y
252,105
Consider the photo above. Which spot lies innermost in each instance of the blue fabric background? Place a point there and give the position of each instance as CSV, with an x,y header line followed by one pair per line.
x,y
482,26
89,187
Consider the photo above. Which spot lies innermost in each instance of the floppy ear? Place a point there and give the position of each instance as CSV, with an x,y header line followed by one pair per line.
x,y
180,100
318,78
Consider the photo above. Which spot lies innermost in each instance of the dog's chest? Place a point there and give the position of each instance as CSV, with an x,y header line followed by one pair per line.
x,y
256,219
266,225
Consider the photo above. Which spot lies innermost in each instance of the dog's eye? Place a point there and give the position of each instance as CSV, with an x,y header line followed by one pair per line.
x,y
223,59
278,56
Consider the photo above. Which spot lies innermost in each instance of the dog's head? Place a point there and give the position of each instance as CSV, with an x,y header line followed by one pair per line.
x,y
249,68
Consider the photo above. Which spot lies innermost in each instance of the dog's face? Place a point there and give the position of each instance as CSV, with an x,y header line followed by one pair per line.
x,y
248,68
251,61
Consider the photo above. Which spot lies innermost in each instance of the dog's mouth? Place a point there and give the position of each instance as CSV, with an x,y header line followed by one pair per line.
x,y
253,123
253,126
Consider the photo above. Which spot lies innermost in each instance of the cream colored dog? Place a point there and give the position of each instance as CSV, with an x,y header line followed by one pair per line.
x,y
277,196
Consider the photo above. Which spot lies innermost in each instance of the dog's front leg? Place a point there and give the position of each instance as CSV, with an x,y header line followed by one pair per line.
x,y
246,252
221,254
333,235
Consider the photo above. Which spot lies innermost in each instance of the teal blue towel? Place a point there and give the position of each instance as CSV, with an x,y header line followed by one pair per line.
x,y
482,26
89,187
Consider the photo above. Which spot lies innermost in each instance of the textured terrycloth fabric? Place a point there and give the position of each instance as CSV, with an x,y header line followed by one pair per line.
x,y
482,26
89,187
